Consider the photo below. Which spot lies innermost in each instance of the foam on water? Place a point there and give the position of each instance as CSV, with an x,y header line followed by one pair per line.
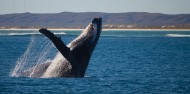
x,y
27,33
20,34
177,35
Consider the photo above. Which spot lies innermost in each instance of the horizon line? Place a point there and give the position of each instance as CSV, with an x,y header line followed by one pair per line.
x,y
91,12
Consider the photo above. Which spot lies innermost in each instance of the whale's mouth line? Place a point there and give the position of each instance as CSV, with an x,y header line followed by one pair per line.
x,y
94,31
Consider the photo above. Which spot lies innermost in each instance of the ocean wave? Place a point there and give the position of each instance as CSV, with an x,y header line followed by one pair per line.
x,y
61,33
177,35
24,34
120,36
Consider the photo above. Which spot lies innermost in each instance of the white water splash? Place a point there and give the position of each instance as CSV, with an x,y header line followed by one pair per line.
x,y
16,33
56,64
177,35
39,50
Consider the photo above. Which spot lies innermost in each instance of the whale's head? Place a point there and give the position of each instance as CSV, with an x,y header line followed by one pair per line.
x,y
83,46
89,36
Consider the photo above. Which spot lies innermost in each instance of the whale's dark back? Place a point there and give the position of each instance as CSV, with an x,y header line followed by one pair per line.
x,y
84,52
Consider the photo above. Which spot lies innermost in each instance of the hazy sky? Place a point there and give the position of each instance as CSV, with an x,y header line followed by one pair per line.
x,y
56,6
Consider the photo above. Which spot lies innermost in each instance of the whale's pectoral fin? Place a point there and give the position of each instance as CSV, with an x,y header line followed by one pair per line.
x,y
64,50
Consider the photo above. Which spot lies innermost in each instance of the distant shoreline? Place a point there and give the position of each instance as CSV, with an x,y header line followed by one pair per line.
x,y
69,29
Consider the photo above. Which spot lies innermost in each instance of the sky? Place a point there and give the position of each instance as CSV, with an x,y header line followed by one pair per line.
x,y
110,6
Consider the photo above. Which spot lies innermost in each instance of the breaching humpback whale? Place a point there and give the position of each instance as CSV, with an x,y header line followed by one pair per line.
x,y
72,59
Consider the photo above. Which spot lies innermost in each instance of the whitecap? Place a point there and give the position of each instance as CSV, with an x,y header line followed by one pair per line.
x,y
24,34
177,35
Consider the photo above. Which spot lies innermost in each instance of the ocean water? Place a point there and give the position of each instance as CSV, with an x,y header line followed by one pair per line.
x,y
124,62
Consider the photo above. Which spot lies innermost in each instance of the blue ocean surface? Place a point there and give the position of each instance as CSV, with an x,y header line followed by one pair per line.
x,y
124,62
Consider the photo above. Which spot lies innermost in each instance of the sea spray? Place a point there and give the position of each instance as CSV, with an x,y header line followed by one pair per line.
x,y
42,56
22,60
57,66
39,50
